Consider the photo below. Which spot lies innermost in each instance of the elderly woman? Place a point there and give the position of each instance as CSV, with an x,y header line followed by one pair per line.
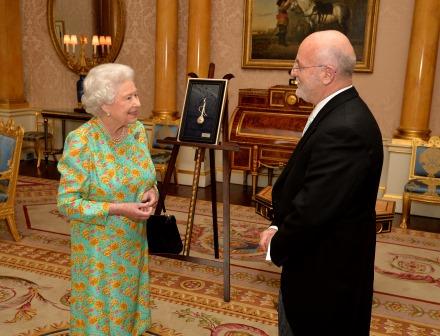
x,y
107,190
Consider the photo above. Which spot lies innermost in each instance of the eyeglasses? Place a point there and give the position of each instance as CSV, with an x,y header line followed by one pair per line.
x,y
296,66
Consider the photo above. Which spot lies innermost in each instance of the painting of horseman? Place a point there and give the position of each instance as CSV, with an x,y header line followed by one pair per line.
x,y
275,28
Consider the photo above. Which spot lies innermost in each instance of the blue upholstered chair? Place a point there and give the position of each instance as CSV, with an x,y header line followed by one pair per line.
x,y
424,176
11,139
161,153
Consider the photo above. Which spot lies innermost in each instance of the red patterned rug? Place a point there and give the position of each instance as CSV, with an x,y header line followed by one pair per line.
x,y
187,298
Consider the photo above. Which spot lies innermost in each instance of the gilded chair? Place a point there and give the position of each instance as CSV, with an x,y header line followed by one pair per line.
x,y
11,139
161,153
36,137
424,176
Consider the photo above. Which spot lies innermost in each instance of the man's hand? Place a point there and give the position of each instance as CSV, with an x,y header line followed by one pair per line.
x,y
265,238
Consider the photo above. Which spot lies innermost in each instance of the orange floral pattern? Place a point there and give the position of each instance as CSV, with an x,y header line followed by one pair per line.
x,y
109,254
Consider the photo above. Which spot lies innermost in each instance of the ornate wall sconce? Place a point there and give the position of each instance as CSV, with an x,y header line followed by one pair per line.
x,y
76,57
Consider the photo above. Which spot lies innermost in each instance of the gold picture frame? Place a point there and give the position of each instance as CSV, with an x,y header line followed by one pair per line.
x,y
59,31
273,30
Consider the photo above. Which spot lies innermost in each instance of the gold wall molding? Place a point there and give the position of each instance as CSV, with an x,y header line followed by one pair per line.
x,y
420,71
11,61
165,107
199,37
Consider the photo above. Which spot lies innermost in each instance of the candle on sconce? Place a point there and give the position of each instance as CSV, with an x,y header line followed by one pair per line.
x,y
95,44
66,41
73,42
108,42
102,43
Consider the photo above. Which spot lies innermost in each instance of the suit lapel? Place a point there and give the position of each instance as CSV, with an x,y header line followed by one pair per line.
x,y
324,113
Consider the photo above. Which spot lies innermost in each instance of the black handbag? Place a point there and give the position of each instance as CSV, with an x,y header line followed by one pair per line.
x,y
163,235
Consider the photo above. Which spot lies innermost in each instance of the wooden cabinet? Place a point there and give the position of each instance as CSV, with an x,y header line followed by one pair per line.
x,y
267,124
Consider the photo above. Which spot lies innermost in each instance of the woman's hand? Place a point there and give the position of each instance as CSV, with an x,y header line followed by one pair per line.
x,y
150,197
133,211
137,211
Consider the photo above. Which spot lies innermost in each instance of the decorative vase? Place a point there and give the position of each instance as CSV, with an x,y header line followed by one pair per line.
x,y
80,92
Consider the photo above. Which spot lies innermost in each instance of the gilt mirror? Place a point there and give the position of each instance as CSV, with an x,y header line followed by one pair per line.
x,y
86,33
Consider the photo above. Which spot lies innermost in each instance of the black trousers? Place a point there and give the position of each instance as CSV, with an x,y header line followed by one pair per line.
x,y
283,325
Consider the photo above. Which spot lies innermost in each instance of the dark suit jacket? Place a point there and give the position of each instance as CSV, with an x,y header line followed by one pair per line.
x,y
324,207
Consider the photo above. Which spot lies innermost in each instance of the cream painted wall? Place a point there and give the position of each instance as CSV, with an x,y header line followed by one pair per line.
x,y
382,89
48,83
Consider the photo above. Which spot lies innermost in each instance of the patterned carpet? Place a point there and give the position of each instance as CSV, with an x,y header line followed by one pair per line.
x,y
187,298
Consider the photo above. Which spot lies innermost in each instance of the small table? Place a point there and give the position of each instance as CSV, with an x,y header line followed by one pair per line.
x,y
62,115
384,215
384,209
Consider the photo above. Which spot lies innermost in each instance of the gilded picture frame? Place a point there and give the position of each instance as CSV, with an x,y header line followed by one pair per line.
x,y
59,31
274,29
203,107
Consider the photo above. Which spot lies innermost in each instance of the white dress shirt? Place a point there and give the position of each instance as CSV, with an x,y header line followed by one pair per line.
x,y
320,105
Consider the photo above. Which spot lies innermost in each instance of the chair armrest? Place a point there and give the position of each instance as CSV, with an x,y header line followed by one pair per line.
x,y
6,174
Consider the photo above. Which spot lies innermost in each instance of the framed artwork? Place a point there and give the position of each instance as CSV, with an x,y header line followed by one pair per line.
x,y
203,107
59,31
274,29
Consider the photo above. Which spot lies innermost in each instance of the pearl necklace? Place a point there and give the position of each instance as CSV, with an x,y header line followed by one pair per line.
x,y
120,137
117,139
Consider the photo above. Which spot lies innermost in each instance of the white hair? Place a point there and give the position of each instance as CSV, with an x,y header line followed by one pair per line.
x,y
346,61
101,85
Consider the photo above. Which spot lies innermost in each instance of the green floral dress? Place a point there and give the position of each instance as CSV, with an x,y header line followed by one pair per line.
x,y
109,254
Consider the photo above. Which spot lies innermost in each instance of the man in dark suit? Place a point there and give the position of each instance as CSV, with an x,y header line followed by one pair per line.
x,y
323,232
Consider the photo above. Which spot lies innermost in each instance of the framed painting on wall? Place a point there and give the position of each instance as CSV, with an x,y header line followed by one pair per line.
x,y
203,107
274,29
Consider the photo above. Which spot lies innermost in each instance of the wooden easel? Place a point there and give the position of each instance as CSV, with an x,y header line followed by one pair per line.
x,y
225,147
